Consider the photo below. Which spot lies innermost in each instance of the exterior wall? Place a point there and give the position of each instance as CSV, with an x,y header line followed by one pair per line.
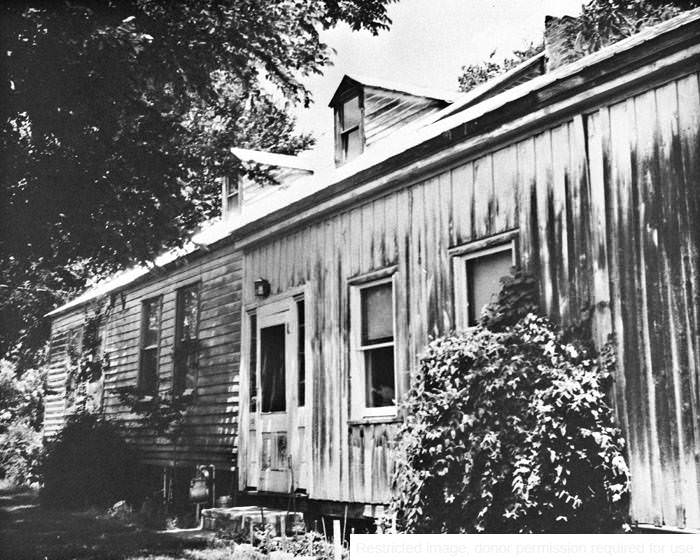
x,y
209,434
606,207
55,399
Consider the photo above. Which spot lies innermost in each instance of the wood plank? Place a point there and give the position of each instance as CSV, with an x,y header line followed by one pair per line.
x,y
689,147
483,197
545,229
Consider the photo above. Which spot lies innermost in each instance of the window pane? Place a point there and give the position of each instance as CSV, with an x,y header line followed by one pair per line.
x,y
74,345
351,113
272,368
377,314
352,144
231,200
148,378
186,355
379,377
150,323
187,312
483,280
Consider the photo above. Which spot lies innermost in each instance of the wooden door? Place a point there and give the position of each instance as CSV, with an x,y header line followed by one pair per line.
x,y
276,382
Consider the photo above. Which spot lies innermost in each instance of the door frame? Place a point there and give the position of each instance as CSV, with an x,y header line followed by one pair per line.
x,y
298,423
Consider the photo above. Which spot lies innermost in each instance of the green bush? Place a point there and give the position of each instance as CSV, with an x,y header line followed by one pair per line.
x,y
508,430
21,411
88,463
20,450
21,396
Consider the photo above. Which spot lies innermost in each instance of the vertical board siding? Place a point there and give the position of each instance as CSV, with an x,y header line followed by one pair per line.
x,y
210,428
614,227
412,229
607,206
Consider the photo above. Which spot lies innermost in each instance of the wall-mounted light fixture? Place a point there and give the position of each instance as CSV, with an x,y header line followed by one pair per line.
x,y
262,287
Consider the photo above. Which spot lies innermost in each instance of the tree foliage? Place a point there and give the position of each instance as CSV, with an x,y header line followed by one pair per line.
x,y
88,463
477,74
117,114
21,417
601,23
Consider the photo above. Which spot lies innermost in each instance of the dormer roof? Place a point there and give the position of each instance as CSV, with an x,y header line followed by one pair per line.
x,y
354,80
271,159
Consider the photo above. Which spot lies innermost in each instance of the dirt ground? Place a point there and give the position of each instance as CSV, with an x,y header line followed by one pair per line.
x,y
28,531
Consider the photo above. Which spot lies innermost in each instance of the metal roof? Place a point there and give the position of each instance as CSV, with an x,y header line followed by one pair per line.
x,y
381,152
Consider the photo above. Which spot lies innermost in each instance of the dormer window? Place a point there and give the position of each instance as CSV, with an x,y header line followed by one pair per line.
x,y
230,195
349,128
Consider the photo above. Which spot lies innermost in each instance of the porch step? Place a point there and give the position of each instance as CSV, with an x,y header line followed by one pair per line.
x,y
239,519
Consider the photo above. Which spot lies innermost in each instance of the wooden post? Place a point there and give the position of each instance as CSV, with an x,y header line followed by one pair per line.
x,y
283,531
337,541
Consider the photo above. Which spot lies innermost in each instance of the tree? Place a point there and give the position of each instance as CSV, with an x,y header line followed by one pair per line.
x,y
116,115
601,23
477,74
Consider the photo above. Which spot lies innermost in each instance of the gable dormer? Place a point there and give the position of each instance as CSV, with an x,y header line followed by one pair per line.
x,y
239,192
366,111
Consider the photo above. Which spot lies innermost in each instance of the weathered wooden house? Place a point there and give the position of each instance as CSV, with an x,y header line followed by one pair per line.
x,y
312,310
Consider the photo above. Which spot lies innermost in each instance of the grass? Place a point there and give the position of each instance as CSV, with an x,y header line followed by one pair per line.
x,y
29,531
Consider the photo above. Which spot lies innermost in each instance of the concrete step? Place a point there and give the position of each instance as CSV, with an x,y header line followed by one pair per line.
x,y
239,519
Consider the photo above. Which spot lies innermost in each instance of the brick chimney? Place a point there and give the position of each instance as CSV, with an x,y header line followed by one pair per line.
x,y
560,41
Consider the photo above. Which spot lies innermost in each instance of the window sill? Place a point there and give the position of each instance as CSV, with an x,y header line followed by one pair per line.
x,y
374,420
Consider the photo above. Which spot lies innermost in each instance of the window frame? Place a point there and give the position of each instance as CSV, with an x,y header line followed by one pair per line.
x,y
460,258
342,132
177,342
358,373
158,300
251,360
301,343
227,193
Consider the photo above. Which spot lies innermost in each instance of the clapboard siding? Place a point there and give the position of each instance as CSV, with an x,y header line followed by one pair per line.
x,y
209,431
606,205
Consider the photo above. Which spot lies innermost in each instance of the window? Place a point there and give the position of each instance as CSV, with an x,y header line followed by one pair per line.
x,y
253,362
74,345
74,348
186,341
478,279
301,353
150,338
273,368
374,377
230,195
349,123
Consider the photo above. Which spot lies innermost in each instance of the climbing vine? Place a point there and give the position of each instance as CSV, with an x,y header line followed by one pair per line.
x,y
163,413
87,362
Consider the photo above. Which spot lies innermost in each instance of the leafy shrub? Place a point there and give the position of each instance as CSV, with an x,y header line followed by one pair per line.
x,y
21,396
20,450
509,431
88,463
21,412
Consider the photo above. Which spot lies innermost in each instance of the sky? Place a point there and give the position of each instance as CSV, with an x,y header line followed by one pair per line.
x,y
428,43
